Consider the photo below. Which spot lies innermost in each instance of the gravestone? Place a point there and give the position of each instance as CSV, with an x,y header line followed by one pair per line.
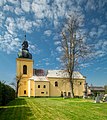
x,y
105,98
97,99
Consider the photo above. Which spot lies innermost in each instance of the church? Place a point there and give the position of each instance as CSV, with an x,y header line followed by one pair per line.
x,y
44,83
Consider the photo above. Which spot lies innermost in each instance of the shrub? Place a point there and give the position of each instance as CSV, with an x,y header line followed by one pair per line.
x,y
7,93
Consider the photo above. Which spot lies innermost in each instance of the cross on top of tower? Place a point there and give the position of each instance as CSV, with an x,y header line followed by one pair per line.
x,y
25,36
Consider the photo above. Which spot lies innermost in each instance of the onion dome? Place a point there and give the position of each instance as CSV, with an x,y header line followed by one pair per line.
x,y
24,53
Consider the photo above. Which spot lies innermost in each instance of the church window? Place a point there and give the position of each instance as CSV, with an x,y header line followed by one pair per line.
x,y
61,94
64,93
42,92
56,84
24,69
69,94
24,91
44,86
80,83
38,86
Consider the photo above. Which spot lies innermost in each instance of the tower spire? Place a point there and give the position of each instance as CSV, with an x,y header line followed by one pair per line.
x,y
25,36
25,52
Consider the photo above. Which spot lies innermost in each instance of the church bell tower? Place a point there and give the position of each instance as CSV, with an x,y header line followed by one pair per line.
x,y
24,69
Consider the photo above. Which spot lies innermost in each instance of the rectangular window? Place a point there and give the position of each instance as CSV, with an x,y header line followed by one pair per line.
x,y
24,91
64,94
42,92
25,69
61,94
56,84
44,86
80,83
38,86
69,94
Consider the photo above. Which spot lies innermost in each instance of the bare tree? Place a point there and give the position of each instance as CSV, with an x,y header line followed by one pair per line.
x,y
16,84
73,45
18,79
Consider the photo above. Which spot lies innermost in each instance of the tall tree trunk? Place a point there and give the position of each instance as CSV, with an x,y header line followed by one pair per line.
x,y
71,85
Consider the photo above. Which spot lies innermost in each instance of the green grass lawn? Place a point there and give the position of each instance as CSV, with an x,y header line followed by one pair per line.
x,y
53,109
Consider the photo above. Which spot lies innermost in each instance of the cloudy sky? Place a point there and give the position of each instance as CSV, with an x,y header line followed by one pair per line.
x,y
41,20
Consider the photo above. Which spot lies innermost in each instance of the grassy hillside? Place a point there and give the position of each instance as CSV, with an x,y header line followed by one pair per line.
x,y
53,109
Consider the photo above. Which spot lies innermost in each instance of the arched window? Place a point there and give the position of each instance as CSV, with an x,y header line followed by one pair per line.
x,y
24,69
56,84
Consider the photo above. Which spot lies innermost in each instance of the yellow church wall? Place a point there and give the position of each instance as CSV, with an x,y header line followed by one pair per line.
x,y
56,90
23,78
64,86
20,63
53,86
50,90
42,91
79,87
23,86
32,88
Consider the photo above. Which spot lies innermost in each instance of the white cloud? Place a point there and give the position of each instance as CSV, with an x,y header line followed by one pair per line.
x,y
85,65
96,21
52,53
101,3
8,8
32,48
2,17
24,24
90,5
25,6
2,2
47,63
102,30
10,25
98,68
47,32
57,43
42,11
56,36
100,48
18,11
58,59
59,49
101,45
38,10
93,32
8,43
37,23
99,53
13,1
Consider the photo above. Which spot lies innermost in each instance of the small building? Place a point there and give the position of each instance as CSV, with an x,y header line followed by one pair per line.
x,y
94,90
40,83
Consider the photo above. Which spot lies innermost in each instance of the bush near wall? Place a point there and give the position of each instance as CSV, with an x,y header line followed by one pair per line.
x,y
7,93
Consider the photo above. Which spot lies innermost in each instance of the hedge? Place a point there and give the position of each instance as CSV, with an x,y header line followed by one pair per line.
x,y
7,93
